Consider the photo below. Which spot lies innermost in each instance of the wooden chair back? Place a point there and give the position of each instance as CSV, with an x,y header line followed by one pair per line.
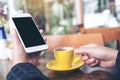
x,y
109,34
73,40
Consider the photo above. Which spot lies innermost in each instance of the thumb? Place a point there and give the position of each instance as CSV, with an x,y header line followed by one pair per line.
x,y
15,38
84,50
87,49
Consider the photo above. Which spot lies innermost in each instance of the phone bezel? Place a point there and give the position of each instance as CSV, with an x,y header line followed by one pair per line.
x,y
32,48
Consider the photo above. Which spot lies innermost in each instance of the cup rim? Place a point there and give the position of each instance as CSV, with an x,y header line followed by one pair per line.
x,y
66,47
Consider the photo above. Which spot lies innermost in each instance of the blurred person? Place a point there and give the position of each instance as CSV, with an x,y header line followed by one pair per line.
x,y
24,65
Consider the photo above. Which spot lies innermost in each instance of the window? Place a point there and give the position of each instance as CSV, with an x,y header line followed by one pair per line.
x,y
100,13
53,16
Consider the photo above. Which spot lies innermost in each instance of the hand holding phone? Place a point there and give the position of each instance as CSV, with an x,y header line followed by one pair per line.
x,y
28,33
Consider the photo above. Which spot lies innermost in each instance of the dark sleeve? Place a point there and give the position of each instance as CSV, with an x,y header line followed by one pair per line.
x,y
116,74
25,71
118,61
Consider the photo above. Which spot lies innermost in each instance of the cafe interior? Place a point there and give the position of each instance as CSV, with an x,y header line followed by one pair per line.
x,y
71,23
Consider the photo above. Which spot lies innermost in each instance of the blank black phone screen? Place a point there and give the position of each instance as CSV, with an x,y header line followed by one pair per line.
x,y
28,31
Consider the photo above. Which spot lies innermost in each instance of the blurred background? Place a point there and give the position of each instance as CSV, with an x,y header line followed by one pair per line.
x,y
64,16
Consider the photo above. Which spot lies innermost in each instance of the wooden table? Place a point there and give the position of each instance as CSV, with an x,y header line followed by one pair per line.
x,y
84,73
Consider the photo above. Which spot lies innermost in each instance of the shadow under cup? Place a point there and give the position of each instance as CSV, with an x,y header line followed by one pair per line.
x,y
64,57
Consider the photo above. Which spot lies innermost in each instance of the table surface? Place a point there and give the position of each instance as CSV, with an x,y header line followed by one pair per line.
x,y
83,73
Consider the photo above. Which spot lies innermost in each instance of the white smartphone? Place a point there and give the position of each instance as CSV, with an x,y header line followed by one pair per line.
x,y
28,33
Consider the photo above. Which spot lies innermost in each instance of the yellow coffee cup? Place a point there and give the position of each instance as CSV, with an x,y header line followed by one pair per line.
x,y
65,57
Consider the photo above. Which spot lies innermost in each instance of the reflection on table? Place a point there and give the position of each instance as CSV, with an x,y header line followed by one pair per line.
x,y
83,73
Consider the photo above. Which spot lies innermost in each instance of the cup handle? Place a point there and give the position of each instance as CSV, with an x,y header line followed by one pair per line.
x,y
76,58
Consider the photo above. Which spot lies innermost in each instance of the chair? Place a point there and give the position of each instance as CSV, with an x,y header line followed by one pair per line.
x,y
109,34
73,40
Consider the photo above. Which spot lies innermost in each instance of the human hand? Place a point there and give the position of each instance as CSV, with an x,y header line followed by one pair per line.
x,y
93,54
18,53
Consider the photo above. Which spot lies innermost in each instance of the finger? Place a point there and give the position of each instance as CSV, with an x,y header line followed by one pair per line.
x,y
41,31
95,63
84,50
84,58
90,45
90,61
45,38
16,40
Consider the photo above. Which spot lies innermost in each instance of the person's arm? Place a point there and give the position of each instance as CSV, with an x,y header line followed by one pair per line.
x,y
25,71
93,54
24,65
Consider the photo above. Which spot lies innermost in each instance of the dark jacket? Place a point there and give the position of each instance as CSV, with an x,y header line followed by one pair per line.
x,y
116,75
25,71
118,61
